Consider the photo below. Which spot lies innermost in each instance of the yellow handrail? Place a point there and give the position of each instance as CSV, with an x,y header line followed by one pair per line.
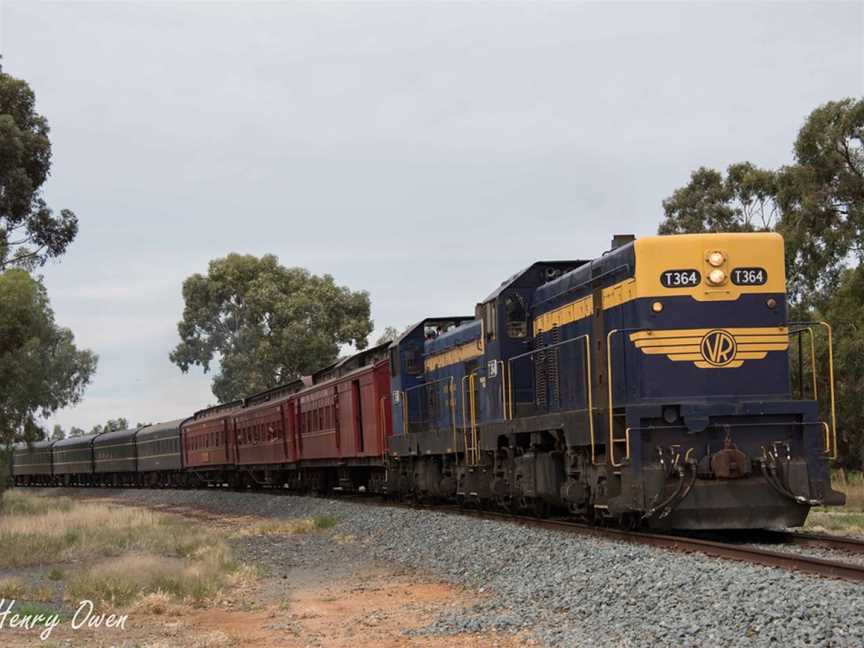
x,y
451,395
503,397
827,435
830,439
475,450
462,391
812,359
471,451
832,451
589,393
509,407
612,439
451,391
588,378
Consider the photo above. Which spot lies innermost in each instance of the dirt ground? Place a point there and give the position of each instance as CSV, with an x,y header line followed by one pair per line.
x,y
309,604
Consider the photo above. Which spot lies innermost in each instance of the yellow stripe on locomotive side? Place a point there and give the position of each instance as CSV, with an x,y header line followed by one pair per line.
x,y
461,353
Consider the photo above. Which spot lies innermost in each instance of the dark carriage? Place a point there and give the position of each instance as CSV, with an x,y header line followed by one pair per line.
x,y
73,461
159,454
115,461
31,463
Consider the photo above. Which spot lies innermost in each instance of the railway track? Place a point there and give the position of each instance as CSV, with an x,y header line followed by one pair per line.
x,y
738,548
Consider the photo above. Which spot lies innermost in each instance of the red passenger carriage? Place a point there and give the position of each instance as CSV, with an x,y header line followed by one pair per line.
x,y
329,429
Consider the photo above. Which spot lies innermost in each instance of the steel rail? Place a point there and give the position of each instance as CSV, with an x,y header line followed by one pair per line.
x,y
819,540
712,548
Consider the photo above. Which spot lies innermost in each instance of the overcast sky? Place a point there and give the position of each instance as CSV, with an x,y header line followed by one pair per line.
x,y
423,152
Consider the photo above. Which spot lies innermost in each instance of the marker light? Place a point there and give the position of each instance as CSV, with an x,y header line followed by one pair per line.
x,y
716,259
657,307
716,277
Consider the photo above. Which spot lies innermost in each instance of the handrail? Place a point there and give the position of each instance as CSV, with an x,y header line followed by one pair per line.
x,y
382,425
474,450
502,381
588,389
462,393
471,451
831,440
451,396
508,409
812,357
612,439
833,449
450,392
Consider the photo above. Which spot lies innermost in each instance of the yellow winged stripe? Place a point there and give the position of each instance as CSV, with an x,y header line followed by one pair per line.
x,y
713,348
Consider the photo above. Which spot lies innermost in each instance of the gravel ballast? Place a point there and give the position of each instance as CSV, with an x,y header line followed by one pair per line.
x,y
567,590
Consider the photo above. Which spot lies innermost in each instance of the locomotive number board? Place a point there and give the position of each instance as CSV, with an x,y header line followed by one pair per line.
x,y
680,278
749,276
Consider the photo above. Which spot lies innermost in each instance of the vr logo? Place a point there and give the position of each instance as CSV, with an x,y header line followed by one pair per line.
x,y
718,348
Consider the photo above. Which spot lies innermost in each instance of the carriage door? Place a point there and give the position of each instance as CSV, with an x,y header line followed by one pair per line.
x,y
357,403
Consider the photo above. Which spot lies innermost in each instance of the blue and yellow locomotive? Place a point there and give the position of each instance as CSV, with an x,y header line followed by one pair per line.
x,y
650,386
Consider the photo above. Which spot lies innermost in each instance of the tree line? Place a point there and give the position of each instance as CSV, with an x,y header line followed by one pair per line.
x,y
41,368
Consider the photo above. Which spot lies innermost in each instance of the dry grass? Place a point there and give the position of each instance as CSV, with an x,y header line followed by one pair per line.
x,y
287,527
846,519
44,594
852,483
15,588
140,553
121,581
157,603
83,530
12,588
20,503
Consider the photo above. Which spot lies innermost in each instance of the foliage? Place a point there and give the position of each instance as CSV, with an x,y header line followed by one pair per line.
x,y
57,434
390,334
41,370
822,197
817,203
267,324
845,312
111,425
743,201
30,233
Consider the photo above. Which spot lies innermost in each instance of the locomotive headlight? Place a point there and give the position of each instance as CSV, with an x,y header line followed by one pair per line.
x,y
716,259
717,277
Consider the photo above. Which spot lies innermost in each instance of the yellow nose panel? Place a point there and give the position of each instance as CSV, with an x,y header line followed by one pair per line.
x,y
713,348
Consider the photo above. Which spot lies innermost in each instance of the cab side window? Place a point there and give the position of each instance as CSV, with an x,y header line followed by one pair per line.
x,y
413,360
517,316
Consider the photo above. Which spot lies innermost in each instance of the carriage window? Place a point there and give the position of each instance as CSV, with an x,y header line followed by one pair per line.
x,y
517,316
